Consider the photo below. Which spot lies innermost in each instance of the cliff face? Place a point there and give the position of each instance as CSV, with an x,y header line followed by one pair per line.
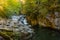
x,y
51,20
57,20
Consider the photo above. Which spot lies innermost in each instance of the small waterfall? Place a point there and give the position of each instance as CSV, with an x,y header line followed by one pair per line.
x,y
21,23
18,24
22,26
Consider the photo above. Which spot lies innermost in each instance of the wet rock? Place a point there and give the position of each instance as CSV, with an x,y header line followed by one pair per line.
x,y
1,38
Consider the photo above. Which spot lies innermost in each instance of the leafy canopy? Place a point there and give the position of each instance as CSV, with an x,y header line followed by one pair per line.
x,y
9,7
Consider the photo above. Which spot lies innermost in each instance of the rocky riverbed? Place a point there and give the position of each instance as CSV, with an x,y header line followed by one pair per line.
x,y
17,24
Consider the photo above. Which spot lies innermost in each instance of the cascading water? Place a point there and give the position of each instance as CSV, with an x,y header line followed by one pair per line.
x,y
18,24
22,26
21,23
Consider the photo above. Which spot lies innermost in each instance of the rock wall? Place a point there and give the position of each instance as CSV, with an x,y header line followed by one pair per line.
x,y
57,20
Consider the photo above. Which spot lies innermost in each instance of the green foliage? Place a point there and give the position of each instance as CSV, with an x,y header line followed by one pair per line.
x,y
38,9
42,1
6,34
33,7
10,7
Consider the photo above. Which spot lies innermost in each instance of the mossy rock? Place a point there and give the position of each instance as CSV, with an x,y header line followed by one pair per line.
x,y
5,36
